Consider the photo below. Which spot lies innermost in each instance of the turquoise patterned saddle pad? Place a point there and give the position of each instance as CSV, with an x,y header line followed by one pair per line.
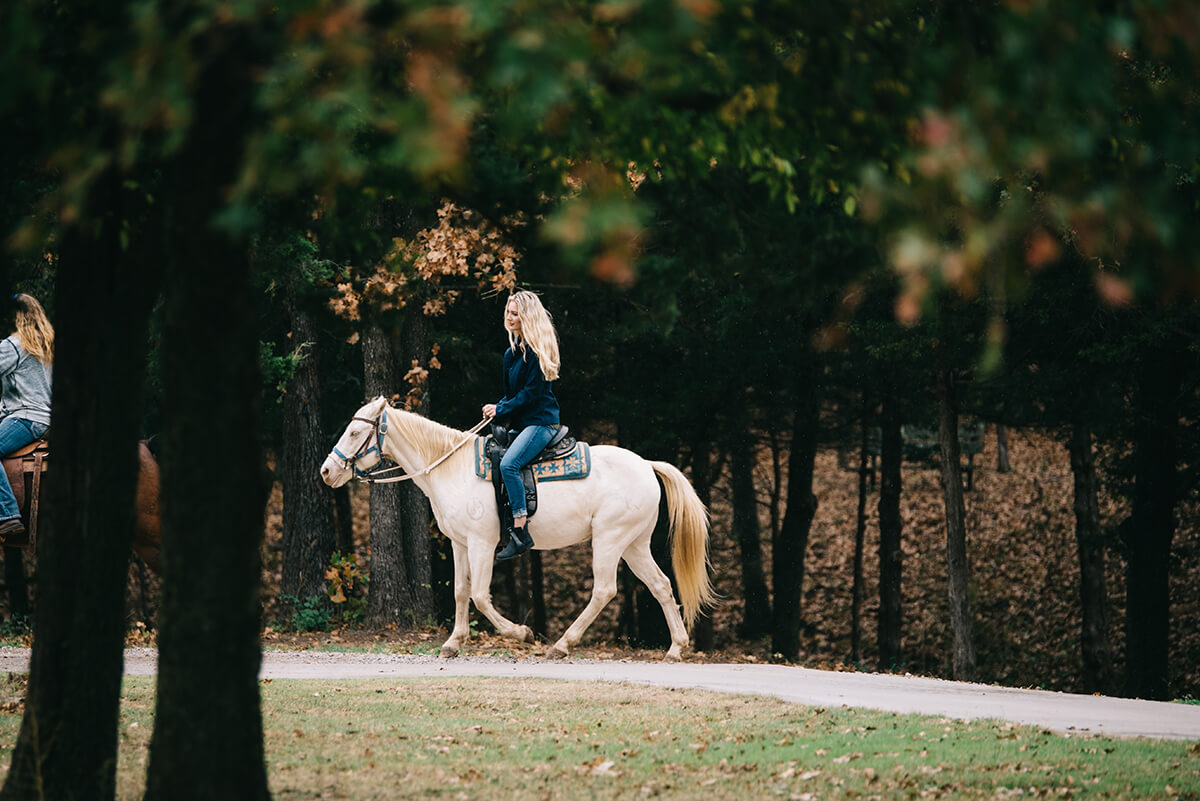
x,y
576,464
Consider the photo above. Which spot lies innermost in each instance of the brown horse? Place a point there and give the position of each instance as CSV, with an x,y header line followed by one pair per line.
x,y
146,530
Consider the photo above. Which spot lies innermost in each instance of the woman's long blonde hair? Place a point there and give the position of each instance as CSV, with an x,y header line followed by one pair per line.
x,y
34,329
537,331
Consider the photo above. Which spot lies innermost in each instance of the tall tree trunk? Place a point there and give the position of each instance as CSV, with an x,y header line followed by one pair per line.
x,y
1151,527
860,530
701,458
1093,597
956,528
537,581
756,617
652,631
67,745
208,736
1002,463
640,617
389,600
308,520
891,526
414,506
343,515
789,548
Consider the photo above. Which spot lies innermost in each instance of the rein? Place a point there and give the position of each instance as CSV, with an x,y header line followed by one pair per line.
x,y
380,426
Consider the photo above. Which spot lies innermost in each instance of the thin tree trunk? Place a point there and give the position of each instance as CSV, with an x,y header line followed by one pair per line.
x,y
641,618
1093,599
756,617
891,526
790,547
776,484
67,744
414,506
308,519
208,735
389,600
860,530
652,631
701,457
1002,463
956,529
343,519
537,582
1150,528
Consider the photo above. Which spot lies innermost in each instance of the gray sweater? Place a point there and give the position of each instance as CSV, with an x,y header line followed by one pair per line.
x,y
26,383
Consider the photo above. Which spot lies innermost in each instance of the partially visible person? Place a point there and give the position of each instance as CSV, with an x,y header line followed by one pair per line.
x,y
26,367
528,406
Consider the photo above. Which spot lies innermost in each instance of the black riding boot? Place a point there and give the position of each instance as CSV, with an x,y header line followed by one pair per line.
x,y
519,542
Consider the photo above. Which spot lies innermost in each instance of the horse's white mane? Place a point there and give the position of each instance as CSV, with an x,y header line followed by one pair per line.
x,y
430,438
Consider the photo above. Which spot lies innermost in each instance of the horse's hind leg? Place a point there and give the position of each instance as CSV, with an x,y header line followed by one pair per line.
x,y
462,600
604,587
645,568
481,559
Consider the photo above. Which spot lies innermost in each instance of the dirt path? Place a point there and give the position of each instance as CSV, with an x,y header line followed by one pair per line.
x,y
1062,712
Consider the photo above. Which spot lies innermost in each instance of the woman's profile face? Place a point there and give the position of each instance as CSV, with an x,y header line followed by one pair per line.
x,y
512,319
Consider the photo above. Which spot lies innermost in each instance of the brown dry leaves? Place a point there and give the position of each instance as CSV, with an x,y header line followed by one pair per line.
x,y
463,245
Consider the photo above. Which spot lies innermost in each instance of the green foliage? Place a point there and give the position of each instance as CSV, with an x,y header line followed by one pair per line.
x,y
277,369
16,630
311,614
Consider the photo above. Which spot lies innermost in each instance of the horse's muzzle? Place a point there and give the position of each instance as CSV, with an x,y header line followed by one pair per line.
x,y
333,473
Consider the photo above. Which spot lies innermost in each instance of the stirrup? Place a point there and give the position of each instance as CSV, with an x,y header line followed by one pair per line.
x,y
517,544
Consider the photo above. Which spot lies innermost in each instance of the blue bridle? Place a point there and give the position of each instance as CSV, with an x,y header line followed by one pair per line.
x,y
379,426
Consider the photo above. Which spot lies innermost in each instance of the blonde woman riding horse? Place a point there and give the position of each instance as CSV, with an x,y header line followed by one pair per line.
x,y
615,506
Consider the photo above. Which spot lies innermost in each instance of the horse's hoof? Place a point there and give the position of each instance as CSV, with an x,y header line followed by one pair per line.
x,y
556,653
670,657
448,652
526,634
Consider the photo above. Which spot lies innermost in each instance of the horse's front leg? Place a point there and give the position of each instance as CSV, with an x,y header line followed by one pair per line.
x,y
481,555
462,602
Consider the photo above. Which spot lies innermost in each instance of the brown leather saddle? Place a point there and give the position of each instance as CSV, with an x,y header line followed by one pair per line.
x,y
25,467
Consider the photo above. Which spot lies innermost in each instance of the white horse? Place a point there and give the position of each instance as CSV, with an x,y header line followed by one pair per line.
x,y
616,506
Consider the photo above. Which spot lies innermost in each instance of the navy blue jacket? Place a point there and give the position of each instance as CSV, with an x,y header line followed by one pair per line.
x,y
528,397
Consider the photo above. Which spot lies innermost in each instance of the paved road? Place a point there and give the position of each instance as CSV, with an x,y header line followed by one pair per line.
x,y
1063,712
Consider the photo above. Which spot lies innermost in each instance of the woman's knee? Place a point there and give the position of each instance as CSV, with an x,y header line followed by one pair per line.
x,y
510,467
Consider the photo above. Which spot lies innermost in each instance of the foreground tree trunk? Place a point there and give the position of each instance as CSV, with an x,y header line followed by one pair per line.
x,y
891,526
956,529
67,745
309,532
1093,596
789,548
1151,527
207,741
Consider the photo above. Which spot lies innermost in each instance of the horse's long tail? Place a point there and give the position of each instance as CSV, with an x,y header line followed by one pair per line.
x,y
689,541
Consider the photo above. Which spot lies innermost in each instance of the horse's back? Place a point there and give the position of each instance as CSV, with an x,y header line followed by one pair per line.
x,y
620,482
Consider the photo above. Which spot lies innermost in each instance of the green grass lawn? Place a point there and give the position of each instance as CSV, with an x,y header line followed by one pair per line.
x,y
476,738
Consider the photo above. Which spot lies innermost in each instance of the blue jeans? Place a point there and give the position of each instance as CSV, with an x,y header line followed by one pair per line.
x,y
15,433
528,444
